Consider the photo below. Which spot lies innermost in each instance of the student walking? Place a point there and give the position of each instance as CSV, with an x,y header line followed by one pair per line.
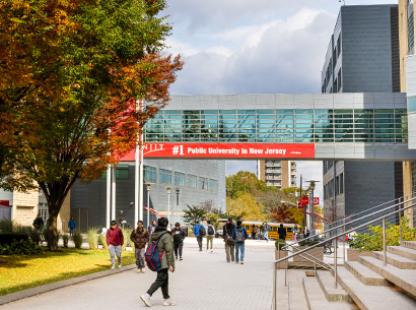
x,y
199,232
178,237
139,237
227,235
210,235
164,242
239,236
71,226
114,239
281,231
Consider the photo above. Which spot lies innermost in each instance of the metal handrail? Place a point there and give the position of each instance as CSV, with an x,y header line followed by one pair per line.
x,y
337,236
343,225
345,232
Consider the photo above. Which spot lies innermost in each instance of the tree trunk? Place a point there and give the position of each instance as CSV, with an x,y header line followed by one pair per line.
x,y
51,233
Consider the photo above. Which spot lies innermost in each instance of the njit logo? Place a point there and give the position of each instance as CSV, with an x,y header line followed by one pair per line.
x,y
177,150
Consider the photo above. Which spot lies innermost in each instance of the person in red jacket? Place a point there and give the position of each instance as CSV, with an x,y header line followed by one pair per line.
x,y
115,241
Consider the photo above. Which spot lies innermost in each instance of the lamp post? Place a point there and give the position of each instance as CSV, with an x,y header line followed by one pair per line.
x,y
169,191
148,189
309,218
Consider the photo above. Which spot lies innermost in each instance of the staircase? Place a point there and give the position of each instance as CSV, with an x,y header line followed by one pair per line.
x,y
364,284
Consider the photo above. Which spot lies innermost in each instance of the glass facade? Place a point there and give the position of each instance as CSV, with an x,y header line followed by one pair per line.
x,y
179,179
279,126
191,181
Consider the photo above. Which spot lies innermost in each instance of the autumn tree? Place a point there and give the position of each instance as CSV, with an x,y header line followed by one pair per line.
x,y
71,76
243,182
245,207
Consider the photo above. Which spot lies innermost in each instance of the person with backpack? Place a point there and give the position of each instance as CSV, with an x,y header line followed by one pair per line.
x,y
227,234
114,239
159,258
281,231
199,232
178,237
239,236
210,235
139,237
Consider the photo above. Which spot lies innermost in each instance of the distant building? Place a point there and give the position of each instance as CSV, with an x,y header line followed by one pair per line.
x,y
363,56
278,173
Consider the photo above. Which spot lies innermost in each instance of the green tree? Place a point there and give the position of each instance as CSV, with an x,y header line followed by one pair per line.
x,y
194,214
80,67
244,182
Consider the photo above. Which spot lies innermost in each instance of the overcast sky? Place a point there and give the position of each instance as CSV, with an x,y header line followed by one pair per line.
x,y
253,46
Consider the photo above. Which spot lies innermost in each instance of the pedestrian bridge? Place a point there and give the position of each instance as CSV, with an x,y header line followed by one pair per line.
x,y
362,126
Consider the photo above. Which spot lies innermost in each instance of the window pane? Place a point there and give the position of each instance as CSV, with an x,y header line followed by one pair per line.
x,y
179,179
122,174
191,181
150,174
165,176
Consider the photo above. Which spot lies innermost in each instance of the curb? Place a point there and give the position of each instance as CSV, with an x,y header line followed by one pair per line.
x,y
30,292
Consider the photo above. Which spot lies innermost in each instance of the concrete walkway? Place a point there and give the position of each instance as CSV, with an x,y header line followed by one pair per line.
x,y
202,281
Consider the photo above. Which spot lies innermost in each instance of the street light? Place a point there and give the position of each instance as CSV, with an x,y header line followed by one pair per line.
x,y
148,189
169,191
309,215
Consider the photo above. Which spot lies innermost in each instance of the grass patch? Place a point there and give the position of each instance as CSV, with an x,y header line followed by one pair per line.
x,y
22,272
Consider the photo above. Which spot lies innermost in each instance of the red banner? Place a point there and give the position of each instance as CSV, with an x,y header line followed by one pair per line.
x,y
226,151
5,203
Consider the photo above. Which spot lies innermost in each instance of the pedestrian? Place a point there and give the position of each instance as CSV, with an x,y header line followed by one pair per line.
x,y
281,231
165,245
151,228
139,237
253,232
71,226
178,236
266,232
199,232
115,239
210,236
239,237
227,235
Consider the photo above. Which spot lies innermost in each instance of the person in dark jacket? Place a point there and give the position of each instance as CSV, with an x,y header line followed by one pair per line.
x,y
227,235
115,239
165,245
199,232
239,236
178,237
281,231
139,236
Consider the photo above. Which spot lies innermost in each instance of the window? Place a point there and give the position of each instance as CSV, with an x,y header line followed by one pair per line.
x,y
165,176
339,46
179,179
410,27
122,173
341,183
212,186
150,174
192,181
202,183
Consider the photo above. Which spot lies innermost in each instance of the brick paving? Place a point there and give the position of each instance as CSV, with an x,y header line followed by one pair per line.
x,y
202,281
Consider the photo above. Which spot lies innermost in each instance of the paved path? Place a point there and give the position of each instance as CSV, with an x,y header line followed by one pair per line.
x,y
202,281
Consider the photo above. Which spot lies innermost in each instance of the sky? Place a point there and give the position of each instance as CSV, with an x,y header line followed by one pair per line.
x,y
253,46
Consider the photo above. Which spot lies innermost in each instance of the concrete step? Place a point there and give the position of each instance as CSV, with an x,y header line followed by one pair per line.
x,y
297,299
365,274
409,244
315,297
373,297
397,260
327,282
402,278
402,251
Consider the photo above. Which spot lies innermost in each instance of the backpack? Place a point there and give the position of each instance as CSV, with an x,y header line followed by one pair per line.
x,y
239,235
210,230
202,231
153,256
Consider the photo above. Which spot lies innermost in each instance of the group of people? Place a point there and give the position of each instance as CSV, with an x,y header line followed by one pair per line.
x,y
202,230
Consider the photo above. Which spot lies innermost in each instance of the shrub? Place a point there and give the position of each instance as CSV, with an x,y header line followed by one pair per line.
x,y
6,226
20,247
373,240
102,241
77,238
65,239
92,238
9,238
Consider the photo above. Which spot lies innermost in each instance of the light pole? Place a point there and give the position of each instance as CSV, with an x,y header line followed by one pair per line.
x,y
309,218
169,191
148,189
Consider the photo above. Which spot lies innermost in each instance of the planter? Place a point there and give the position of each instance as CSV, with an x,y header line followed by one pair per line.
x,y
317,252
354,254
281,254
